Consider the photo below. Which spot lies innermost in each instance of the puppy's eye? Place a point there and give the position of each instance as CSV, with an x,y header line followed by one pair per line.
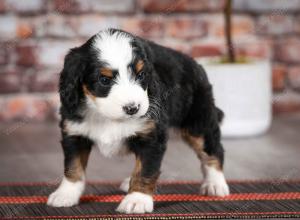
x,y
104,80
141,76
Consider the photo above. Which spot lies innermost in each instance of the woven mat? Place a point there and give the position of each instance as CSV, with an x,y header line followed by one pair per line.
x,y
173,200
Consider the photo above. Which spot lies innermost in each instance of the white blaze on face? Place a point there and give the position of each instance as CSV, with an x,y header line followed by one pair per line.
x,y
117,52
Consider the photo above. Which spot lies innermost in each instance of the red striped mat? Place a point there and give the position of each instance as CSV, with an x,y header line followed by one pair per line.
x,y
173,200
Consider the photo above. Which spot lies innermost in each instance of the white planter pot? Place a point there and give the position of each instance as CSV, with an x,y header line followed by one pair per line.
x,y
243,92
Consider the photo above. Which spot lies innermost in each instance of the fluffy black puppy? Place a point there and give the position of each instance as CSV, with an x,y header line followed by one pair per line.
x,y
121,93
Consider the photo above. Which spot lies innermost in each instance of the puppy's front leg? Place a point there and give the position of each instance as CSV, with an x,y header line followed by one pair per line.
x,y
76,151
142,182
139,198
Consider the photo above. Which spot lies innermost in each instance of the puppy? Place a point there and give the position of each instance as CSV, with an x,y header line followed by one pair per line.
x,y
121,93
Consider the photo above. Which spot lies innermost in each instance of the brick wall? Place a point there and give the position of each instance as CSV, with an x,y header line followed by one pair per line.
x,y
36,34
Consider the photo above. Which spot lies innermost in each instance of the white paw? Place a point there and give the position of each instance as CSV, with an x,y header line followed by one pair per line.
x,y
212,188
125,185
67,194
214,183
62,199
136,202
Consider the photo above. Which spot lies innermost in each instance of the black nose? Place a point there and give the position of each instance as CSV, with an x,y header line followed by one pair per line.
x,y
131,108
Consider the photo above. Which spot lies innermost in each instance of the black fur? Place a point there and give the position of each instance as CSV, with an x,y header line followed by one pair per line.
x,y
175,81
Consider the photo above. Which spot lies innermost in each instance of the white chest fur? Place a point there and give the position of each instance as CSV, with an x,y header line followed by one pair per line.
x,y
108,135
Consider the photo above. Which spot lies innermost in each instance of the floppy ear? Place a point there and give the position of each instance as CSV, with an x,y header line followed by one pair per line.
x,y
70,84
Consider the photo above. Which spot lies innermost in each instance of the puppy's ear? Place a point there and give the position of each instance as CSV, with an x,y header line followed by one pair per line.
x,y
71,79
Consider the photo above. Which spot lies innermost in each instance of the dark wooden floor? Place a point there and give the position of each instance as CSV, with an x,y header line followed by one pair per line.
x,y
31,152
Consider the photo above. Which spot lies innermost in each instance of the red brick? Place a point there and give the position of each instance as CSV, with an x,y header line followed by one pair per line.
x,y
10,81
30,27
2,6
151,28
13,107
62,26
29,107
288,50
102,6
3,54
108,6
241,25
294,77
89,25
255,48
145,27
33,26
24,30
297,24
286,103
274,24
26,55
26,7
186,28
176,45
66,6
279,73
170,6
273,6
205,50
43,81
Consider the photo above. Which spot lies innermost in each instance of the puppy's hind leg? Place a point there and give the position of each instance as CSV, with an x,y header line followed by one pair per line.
x,y
210,151
76,151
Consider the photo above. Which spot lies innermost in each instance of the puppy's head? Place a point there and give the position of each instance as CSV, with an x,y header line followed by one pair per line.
x,y
110,74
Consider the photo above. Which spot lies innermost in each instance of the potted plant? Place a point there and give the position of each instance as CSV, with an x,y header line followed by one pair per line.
x,y
242,87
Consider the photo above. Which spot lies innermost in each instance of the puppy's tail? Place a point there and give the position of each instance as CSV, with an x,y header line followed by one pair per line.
x,y
220,115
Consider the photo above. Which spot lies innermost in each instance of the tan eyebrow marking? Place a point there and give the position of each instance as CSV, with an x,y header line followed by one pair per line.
x,y
139,66
106,72
88,93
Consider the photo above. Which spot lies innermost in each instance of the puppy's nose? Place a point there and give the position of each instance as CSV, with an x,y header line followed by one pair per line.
x,y
131,108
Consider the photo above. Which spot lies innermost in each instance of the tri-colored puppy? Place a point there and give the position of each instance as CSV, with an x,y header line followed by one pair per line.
x,y
121,93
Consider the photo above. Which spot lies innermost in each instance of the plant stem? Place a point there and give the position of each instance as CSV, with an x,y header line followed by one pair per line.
x,y
228,33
